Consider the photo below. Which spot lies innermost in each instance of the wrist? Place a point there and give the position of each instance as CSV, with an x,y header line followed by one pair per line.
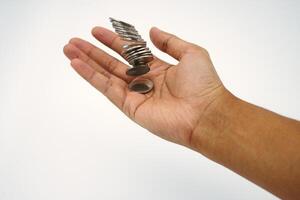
x,y
215,125
253,142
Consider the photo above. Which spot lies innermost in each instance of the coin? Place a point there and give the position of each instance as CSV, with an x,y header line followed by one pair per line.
x,y
141,85
137,71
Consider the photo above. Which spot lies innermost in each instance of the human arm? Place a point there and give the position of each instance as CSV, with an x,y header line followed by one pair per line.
x,y
190,106
260,145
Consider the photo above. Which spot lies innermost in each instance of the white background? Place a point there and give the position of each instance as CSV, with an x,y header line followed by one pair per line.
x,y
61,139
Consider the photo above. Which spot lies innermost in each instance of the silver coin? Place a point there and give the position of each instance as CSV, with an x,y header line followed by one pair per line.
x,y
141,85
137,53
144,58
138,70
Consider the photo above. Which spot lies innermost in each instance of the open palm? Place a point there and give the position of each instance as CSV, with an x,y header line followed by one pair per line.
x,y
181,95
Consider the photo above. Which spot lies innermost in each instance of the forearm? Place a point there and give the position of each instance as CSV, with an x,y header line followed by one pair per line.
x,y
258,144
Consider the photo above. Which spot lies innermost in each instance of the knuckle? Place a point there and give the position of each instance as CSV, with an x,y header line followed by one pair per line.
x,y
204,51
92,76
87,59
198,49
166,43
114,67
105,73
112,64
108,85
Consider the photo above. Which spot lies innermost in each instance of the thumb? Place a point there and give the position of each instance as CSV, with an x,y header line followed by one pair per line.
x,y
170,43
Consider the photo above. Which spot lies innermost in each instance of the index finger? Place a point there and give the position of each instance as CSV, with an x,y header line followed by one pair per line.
x,y
115,42
109,38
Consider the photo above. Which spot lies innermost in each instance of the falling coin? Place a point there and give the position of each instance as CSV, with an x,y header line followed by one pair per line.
x,y
137,71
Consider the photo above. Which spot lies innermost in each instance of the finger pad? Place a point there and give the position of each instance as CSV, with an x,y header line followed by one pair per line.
x,y
82,68
104,35
70,51
81,44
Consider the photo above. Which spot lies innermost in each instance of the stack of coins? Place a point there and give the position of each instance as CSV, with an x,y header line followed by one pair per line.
x,y
136,53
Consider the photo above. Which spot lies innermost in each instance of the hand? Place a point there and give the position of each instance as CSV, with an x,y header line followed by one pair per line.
x,y
182,92
190,106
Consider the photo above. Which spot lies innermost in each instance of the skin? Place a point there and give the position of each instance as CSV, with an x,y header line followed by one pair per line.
x,y
190,106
